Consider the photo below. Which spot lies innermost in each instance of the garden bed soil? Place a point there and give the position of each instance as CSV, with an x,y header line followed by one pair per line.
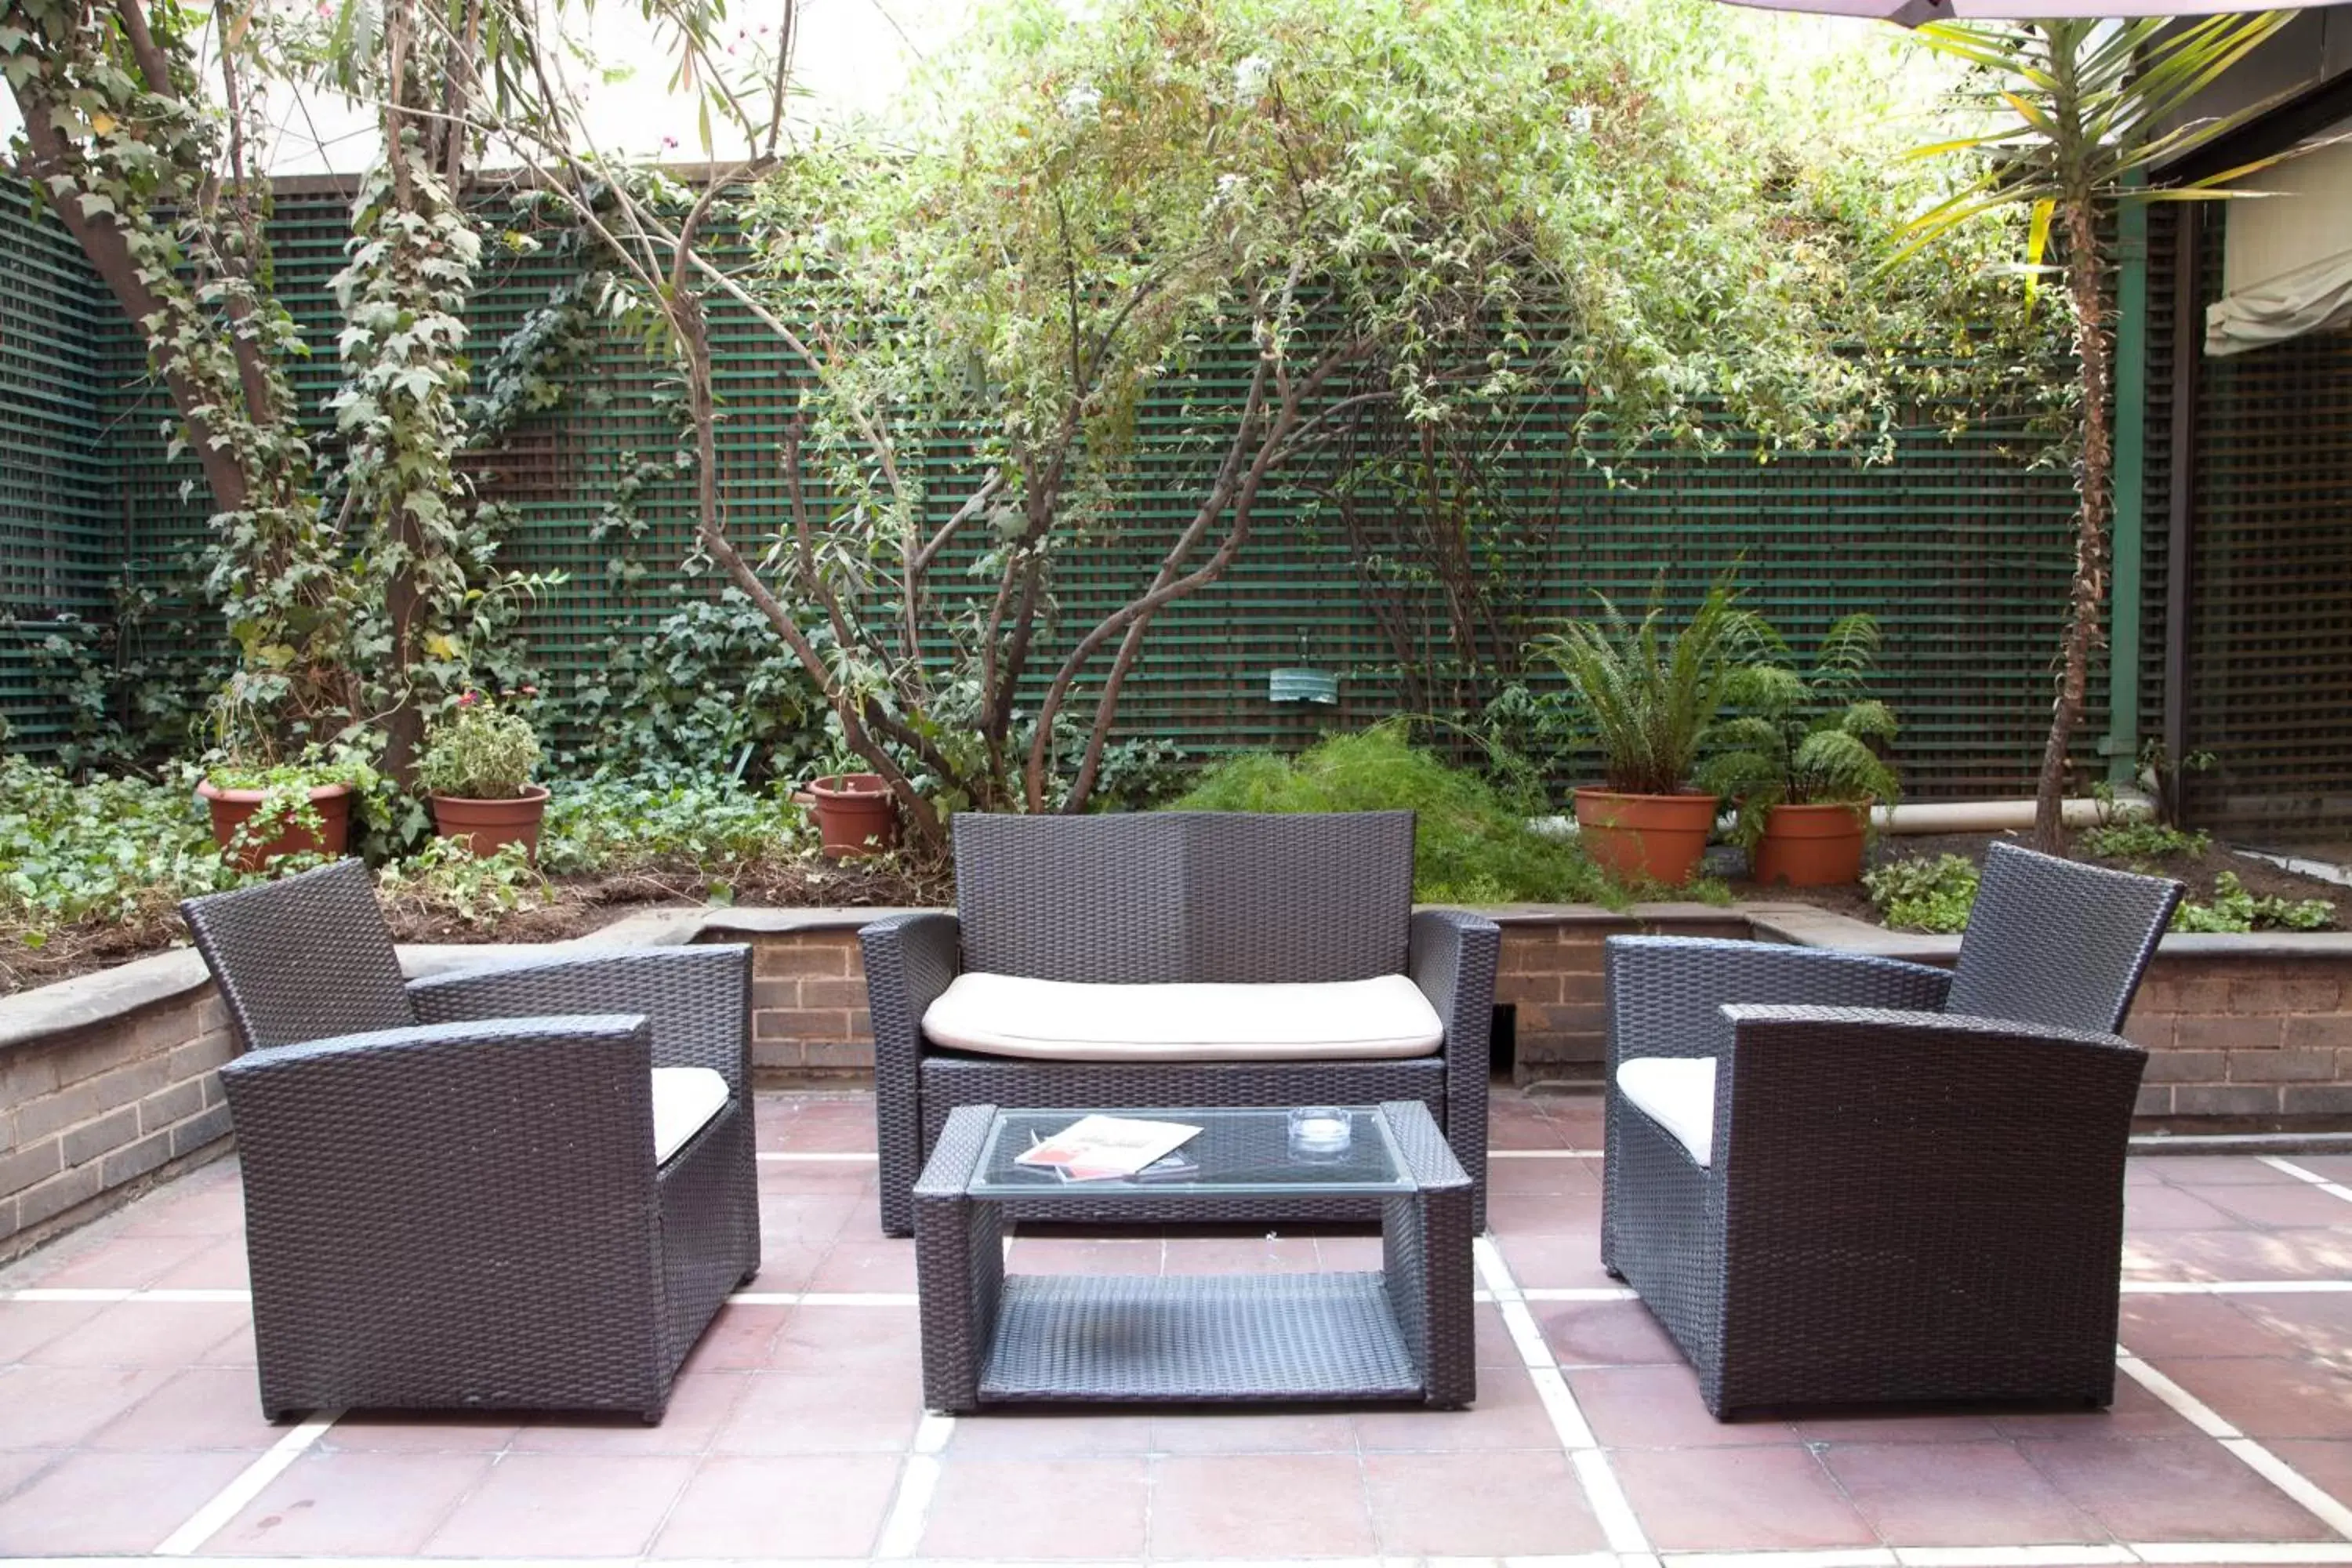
x,y
2257,877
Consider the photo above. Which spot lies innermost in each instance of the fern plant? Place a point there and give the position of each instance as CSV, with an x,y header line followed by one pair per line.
x,y
1802,737
1650,693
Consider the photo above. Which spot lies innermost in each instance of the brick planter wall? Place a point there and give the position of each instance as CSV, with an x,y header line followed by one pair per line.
x,y
2259,1041
95,1110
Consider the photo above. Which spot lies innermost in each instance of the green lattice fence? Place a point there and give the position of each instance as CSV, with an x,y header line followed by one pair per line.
x,y
1958,546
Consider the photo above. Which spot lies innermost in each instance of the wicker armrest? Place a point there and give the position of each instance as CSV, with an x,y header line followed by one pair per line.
x,y
909,961
1880,1087
1664,992
697,999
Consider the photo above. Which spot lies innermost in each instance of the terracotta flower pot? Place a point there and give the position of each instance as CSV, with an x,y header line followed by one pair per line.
x,y
487,826
856,813
1810,846
1644,837
232,808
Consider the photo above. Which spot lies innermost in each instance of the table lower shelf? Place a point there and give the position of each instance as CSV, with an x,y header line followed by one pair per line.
x,y
1197,1337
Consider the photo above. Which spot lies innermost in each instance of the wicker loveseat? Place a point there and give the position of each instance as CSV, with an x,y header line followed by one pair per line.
x,y
526,1187
1840,1179
1234,959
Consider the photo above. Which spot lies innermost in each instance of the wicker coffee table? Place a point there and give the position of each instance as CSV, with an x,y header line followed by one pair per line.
x,y
1402,1333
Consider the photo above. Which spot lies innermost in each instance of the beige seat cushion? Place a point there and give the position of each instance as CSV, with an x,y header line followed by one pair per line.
x,y
1008,1015
1678,1094
685,1100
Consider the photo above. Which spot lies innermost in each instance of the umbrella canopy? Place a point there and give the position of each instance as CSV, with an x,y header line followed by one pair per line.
x,y
1912,13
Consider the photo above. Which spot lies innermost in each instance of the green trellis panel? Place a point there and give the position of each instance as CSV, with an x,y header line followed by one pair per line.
x,y
1959,548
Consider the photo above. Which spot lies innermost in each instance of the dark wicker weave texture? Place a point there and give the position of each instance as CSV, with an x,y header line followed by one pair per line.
x,y
464,1213
1404,1333
1179,896
1903,1203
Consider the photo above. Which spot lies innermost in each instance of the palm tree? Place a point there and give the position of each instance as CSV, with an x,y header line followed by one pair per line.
x,y
2079,110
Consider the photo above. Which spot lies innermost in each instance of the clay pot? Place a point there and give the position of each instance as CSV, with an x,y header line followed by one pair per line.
x,y
487,826
1644,837
1810,846
856,813
232,808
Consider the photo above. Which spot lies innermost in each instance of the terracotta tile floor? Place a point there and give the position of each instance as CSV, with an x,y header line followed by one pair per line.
x,y
128,1427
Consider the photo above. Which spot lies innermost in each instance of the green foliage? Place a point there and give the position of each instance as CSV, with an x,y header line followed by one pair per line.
x,y
2143,841
2233,909
1920,894
1806,738
1471,844
109,850
712,826
484,751
1649,692
443,878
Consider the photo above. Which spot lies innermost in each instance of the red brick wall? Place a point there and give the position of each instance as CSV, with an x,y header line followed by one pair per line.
x,y
2246,1043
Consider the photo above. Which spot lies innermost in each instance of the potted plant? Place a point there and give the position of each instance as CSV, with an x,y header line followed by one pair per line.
x,y
856,813
265,805
476,767
1650,696
1799,756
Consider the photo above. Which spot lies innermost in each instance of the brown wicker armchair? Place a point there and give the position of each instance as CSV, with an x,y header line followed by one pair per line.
x,y
524,1187
1838,1179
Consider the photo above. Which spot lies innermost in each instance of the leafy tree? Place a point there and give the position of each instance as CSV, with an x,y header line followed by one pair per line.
x,y
2074,109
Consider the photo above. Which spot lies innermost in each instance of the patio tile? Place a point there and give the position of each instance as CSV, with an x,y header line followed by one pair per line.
x,y
880,1341
740,1339
818,1216
563,1505
483,1433
828,1505
1052,1434
1496,1348
2285,1207
1955,1494
2206,1255
1268,1253
2168,1326
1516,1125
59,1406
2134,1414
2327,1463
699,1405
1541,1178
1659,1407
1261,1431
867,1265
1466,1505
26,1326
2158,1207
1556,1262
1508,1414
223,1266
781,1414
2269,1396
1091,1509
1896,1424
1286,1505
1338,1250
1569,1213
1075,1255
1605,1333
331,1504
111,1502
1739,1499
2177,1489
788,1265
116,1261
2210,1170
145,1334
209,1201
2318,1324
20,1466
203,1407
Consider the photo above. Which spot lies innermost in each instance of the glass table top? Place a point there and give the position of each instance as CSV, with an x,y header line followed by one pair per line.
x,y
1236,1152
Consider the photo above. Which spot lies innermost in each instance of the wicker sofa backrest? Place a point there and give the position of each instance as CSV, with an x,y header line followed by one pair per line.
x,y
304,958
2056,943
1185,896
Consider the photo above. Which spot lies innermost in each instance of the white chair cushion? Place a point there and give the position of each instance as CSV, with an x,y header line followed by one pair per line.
x,y
1008,1015
1678,1094
685,1098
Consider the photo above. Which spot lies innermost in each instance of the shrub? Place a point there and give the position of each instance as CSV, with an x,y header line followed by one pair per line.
x,y
112,850
1650,696
1473,845
1802,738
2234,909
2143,841
483,753
1920,894
613,824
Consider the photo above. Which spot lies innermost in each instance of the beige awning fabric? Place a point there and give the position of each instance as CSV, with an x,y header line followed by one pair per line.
x,y
2311,298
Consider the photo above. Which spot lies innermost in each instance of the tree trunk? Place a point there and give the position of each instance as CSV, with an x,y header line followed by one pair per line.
x,y
2095,485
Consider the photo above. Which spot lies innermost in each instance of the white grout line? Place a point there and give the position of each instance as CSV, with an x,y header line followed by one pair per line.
x,y
207,1520
1843,1557
2236,1286
1607,1498
2241,1554
2313,1177
80,1293
815,1159
902,1531
1577,1293
2314,1499
2013,1556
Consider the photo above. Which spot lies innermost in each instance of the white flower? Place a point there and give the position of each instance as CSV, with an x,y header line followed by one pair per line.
x,y
1081,100
1250,74
1579,119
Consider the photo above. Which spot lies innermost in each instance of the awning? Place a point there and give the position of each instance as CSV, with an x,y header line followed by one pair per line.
x,y
2311,298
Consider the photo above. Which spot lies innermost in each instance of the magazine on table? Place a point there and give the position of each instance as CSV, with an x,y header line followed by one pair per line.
x,y
1098,1148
